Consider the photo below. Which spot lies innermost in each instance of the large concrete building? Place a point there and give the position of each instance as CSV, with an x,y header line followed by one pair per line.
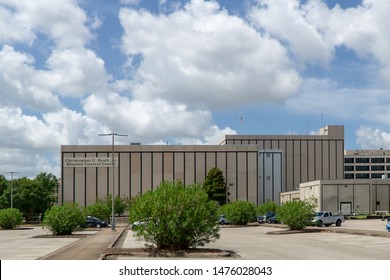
x,y
348,196
257,168
367,164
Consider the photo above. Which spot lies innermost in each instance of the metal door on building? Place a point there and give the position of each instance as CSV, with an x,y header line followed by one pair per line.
x,y
346,208
270,175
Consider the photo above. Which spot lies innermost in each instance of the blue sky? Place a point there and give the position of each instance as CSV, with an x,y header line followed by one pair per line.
x,y
188,72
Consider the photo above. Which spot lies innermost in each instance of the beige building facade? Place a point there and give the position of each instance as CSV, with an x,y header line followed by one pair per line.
x,y
347,196
257,168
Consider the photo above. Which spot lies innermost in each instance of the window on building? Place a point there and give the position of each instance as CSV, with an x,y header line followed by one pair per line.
x,y
376,175
362,176
377,160
362,160
349,168
349,176
362,168
349,160
377,167
387,160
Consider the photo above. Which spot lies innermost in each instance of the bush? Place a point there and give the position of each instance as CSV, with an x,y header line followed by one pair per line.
x,y
10,218
120,204
268,206
297,214
175,217
64,219
99,210
239,212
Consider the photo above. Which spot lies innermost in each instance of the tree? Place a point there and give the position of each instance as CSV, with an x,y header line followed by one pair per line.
x,y
297,214
239,212
65,219
32,197
268,206
120,204
215,186
10,218
99,210
175,217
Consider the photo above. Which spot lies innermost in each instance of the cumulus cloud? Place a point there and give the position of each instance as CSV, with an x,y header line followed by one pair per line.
x,y
204,62
372,138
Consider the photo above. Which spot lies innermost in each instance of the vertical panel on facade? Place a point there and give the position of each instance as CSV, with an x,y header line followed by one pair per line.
x,y
325,160
104,186
124,180
179,166
311,162
382,197
168,166
289,163
297,163
304,162
252,177
361,203
67,182
330,198
189,168
80,187
340,160
135,174
91,183
242,184
157,169
221,162
146,173
200,164
231,175
275,144
319,160
270,175
345,194
333,160
211,158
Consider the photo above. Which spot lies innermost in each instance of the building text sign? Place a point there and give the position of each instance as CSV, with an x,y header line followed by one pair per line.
x,y
89,162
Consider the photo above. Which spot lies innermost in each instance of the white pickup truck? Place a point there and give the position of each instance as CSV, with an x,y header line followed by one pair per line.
x,y
327,218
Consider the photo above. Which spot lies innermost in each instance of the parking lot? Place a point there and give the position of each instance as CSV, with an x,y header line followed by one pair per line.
x,y
359,239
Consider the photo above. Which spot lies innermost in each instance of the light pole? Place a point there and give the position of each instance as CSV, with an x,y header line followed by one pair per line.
x,y
112,134
12,186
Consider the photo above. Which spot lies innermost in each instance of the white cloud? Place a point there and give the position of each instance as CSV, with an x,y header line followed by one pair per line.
x,y
204,62
372,138
151,121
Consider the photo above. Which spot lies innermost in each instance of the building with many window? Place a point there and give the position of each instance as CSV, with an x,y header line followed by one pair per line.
x,y
366,164
257,168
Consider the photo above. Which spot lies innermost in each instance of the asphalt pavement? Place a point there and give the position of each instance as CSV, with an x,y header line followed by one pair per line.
x,y
355,239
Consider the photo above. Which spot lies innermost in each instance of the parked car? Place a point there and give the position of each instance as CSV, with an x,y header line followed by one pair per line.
x,y
223,220
388,225
264,218
95,222
327,218
273,220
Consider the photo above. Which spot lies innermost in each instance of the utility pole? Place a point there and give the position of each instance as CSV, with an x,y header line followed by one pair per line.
x,y
112,134
12,186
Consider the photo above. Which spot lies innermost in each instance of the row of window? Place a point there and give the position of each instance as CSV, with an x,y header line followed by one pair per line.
x,y
364,176
366,160
366,168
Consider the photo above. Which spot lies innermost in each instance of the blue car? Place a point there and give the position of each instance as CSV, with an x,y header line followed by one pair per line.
x,y
388,225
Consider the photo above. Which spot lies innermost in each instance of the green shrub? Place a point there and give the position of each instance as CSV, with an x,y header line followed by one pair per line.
x,y
239,212
99,210
175,216
10,218
120,204
268,206
297,214
64,219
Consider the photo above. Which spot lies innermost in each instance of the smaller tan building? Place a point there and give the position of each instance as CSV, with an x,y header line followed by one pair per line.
x,y
361,196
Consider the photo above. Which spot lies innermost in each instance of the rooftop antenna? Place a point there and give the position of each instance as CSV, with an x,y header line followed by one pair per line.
x,y
322,119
